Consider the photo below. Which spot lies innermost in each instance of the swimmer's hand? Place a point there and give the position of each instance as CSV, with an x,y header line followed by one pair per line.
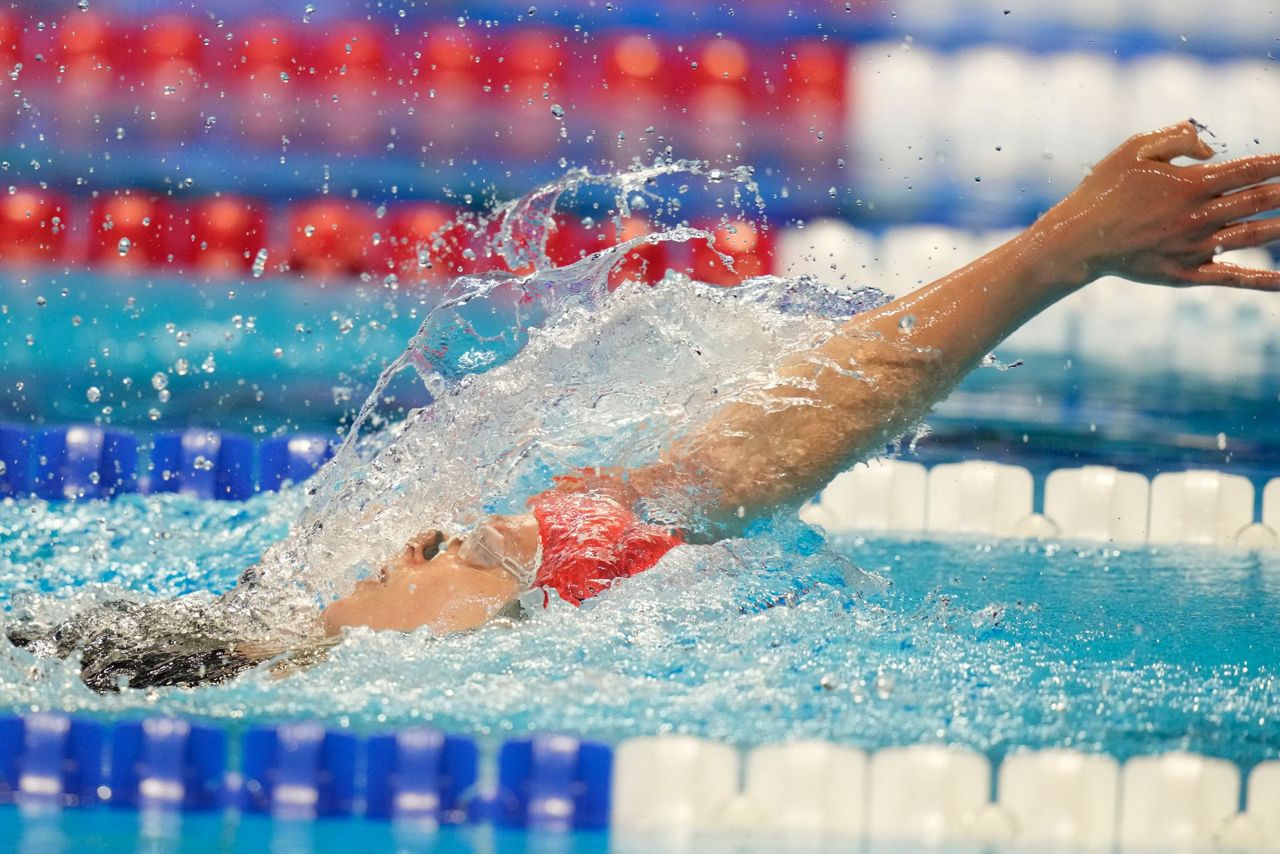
x,y
1139,216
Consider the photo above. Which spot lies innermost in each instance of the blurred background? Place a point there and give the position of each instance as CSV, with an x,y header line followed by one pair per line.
x,y
221,214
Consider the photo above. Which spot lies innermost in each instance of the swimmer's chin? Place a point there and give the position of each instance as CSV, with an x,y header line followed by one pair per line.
x,y
462,618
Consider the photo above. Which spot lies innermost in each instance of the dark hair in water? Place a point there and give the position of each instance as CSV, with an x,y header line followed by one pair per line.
x,y
183,642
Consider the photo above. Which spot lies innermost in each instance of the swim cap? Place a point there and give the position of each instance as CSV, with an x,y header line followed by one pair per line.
x,y
589,540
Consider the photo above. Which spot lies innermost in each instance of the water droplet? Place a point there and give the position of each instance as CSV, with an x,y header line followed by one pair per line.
x,y
209,365
159,380
119,133
260,263
307,11
278,352
94,394
41,301
209,122
82,5
124,246
557,111
832,192
284,77
715,176
308,230
181,367
907,322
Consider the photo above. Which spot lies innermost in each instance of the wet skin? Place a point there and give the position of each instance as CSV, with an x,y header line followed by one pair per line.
x,y
1137,215
450,590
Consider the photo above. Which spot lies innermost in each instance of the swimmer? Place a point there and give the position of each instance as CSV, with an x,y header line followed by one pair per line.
x,y
1137,215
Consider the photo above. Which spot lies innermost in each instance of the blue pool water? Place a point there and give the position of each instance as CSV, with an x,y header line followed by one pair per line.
x,y
126,831
774,635
778,635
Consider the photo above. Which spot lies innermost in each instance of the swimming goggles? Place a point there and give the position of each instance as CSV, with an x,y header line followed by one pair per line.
x,y
486,547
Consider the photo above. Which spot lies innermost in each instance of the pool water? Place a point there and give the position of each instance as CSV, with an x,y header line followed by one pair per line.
x,y
775,636
112,830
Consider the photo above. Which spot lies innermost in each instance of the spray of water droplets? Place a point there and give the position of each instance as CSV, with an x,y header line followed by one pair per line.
x,y
539,373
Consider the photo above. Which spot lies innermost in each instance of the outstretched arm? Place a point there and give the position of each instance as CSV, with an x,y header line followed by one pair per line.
x,y
1136,215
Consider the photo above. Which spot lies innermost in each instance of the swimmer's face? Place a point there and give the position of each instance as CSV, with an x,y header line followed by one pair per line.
x,y
446,591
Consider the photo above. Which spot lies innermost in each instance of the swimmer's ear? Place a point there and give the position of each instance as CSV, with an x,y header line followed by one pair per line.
x,y
1180,140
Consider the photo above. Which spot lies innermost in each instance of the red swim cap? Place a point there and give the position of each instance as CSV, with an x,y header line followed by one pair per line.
x,y
589,540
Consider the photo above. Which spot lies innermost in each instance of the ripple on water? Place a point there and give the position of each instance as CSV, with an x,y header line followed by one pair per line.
x,y
773,636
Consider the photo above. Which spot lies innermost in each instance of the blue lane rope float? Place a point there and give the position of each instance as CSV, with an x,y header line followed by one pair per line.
x,y
203,464
298,771
553,783
15,461
419,775
82,461
291,459
90,462
546,783
50,760
303,771
165,763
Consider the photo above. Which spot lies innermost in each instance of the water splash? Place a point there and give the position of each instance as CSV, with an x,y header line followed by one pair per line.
x,y
766,638
536,373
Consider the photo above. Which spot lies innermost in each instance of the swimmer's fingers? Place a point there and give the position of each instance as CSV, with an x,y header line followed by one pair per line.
x,y
1242,172
1245,203
1243,235
1180,140
1227,275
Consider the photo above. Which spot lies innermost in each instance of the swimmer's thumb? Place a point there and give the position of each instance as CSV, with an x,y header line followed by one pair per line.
x,y
1180,140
